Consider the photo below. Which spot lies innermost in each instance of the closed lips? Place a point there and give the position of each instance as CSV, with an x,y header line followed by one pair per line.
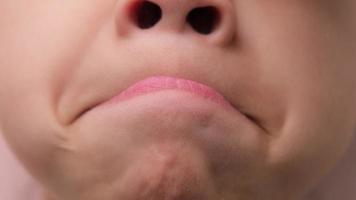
x,y
158,83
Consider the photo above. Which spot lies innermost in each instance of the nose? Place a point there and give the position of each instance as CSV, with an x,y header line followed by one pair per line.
x,y
210,20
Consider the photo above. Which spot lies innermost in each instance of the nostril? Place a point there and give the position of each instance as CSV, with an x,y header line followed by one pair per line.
x,y
204,19
146,14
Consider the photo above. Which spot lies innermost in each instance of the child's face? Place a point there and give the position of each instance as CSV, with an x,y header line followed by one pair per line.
x,y
290,65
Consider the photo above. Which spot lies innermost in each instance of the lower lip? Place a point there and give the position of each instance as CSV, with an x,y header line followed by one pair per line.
x,y
159,83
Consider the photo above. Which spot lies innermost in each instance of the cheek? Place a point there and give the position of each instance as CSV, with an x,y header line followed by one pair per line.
x,y
309,61
39,46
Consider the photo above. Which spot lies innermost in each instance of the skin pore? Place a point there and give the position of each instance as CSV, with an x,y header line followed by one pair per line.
x,y
287,67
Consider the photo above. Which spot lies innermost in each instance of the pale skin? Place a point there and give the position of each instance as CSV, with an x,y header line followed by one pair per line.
x,y
290,64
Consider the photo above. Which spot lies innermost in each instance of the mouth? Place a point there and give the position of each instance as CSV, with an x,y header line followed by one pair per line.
x,y
157,83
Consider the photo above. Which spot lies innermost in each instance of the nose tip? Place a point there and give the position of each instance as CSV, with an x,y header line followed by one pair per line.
x,y
213,20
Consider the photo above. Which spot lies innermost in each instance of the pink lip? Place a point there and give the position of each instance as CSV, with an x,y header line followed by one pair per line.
x,y
159,83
